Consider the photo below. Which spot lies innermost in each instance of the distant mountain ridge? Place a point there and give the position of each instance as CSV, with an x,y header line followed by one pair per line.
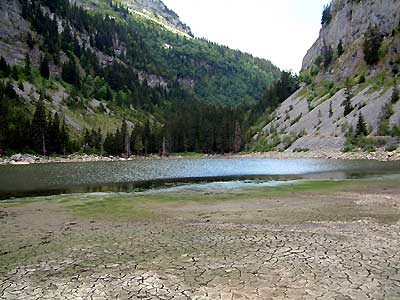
x,y
159,8
154,10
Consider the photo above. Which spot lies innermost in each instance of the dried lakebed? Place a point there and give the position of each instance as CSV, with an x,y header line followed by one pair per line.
x,y
312,240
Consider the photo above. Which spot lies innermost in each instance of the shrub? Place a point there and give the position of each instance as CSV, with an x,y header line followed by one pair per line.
x,y
383,126
327,56
326,15
301,150
395,70
395,95
340,49
391,148
348,148
371,45
348,107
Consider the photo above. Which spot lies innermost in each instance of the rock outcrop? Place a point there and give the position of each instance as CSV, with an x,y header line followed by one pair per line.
x,y
320,124
159,8
313,117
350,21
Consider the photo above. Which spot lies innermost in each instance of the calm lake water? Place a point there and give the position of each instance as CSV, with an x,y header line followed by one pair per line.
x,y
51,179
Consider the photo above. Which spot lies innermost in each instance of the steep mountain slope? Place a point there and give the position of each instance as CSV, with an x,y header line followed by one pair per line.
x,y
98,62
217,74
349,72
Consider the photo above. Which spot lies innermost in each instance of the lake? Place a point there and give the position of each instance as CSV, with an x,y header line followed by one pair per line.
x,y
128,176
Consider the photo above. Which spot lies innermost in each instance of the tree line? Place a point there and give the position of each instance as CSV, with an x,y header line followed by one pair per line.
x,y
45,133
183,132
186,117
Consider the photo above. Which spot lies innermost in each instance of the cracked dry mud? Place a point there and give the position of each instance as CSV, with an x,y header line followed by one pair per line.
x,y
212,250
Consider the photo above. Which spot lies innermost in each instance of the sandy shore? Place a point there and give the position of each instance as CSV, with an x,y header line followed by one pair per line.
x,y
26,159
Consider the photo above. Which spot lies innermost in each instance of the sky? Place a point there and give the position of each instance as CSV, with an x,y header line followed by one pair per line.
x,y
279,30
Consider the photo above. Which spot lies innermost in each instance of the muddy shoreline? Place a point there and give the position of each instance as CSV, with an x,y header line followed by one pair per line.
x,y
337,242
27,159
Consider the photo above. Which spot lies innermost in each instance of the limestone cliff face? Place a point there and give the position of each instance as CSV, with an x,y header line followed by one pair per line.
x,y
154,10
350,21
159,8
313,117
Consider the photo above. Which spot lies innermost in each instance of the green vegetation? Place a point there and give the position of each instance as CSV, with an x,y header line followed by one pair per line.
x,y
263,145
44,68
358,139
348,107
327,56
326,15
387,112
199,103
395,94
221,75
45,134
372,42
147,206
275,94
340,49
361,128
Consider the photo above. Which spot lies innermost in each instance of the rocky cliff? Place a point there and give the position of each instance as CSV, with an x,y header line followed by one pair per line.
x,y
314,117
159,8
349,22
154,10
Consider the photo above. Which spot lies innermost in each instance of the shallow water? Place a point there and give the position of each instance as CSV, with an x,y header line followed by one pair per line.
x,y
64,178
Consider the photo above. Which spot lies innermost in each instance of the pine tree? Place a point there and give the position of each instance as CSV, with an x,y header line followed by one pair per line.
x,y
44,67
146,137
66,40
132,140
4,67
28,67
39,128
64,137
340,49
99,141
395,94
361,126
164,148
14,73
371,45
4,114
326,15
109,144
118,143
348,107
30,41
126,149
330,109
56,134
49,134
138,147
70,73
327,56
238,138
